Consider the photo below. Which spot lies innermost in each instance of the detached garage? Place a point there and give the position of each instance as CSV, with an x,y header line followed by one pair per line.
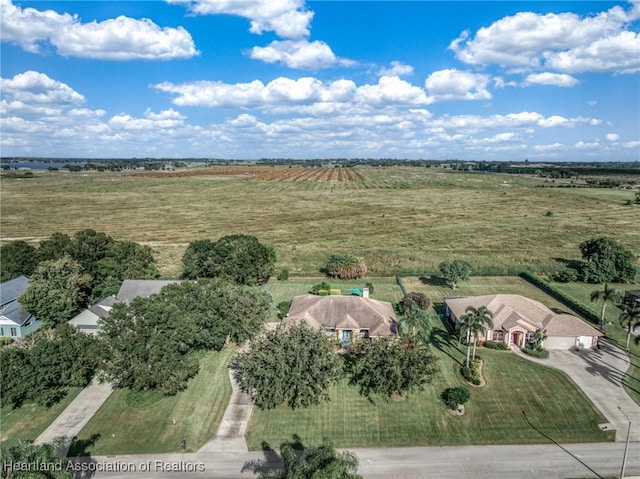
x,y
516,318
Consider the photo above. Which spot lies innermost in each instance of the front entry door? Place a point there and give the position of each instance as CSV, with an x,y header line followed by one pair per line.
x,y
515,339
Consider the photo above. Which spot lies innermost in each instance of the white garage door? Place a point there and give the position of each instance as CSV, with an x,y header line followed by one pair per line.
x,y
560,342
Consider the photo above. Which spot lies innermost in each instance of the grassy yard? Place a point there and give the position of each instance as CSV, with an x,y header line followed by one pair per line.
x,y
30,420
138,423
582,292
555,410
397,219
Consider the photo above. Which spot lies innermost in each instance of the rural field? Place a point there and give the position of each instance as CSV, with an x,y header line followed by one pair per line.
x,y
397,218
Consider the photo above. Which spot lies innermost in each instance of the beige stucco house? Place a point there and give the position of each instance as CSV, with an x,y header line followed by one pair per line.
x,y
516,318
345,318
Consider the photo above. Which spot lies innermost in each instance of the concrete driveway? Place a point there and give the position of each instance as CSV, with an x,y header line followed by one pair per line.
x,y
599,374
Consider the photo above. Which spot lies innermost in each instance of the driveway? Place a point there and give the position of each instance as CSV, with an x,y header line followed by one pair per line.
x,y
76,415
599,374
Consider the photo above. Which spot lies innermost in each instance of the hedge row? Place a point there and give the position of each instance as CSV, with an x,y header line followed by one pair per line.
x,y
580,308
536,353
499,345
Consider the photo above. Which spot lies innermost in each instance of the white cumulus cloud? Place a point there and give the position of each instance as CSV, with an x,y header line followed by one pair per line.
x,y
37,88
121,38
555,79
562,41
286,18
451,84
298,54
396,69
613,137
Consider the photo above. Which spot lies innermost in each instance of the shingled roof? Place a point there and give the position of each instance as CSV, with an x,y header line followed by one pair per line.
x,y
511,309
343,312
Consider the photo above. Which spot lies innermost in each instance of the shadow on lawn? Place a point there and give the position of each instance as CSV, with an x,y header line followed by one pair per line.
x,y
524,414
434,281
79,447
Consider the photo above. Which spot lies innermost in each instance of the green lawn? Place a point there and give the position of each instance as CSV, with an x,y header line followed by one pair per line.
x,y
138,423
582,292
554,405
30,420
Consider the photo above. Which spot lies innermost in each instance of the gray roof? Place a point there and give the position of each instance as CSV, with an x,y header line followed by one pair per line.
x,y
510,310
133,288
343,312
10,290
10,308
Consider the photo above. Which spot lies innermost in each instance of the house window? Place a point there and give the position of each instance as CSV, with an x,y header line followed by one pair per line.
x,y
528,337
14,332
498,335
1,331
330,332
364,334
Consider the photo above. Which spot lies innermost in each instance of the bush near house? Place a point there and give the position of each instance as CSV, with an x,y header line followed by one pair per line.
x,y
536,353
499,345
453,397
472,373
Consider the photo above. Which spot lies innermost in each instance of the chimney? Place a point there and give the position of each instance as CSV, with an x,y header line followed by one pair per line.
x,y
365,292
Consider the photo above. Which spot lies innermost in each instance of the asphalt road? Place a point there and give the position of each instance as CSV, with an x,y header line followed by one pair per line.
x,y
466,462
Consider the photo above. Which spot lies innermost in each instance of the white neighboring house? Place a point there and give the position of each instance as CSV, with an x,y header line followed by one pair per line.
x,y
516,318
87,321
15,321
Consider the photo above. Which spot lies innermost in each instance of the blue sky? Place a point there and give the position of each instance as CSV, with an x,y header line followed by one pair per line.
x,y
321,79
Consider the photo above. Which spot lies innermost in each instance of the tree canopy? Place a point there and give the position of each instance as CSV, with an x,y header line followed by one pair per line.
x,y
238,258
149,345
46,364
294,366
57,289
606,260
17,258
455,271
390,366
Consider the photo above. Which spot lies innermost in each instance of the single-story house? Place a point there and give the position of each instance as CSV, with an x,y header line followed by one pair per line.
x,y
87,320
345,318
15,321
516,318
134,288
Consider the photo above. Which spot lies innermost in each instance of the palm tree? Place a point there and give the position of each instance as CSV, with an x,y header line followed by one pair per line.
x,y
606,294
322,462
629,319
475,324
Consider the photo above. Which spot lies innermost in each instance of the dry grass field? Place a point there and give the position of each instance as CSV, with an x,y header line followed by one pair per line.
x,y
397,218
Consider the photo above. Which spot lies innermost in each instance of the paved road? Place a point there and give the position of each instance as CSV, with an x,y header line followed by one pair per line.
x,y
599,374
77,413
466,462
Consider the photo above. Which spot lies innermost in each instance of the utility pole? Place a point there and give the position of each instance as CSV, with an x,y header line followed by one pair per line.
x,y
626,446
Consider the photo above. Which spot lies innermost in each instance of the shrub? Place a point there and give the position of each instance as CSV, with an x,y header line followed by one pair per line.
x,y
418,300
320,287
499,345
452,397
283,275
4,341
567,275
549,214
471,375
283,309
536,353
335,292
370,286
345,266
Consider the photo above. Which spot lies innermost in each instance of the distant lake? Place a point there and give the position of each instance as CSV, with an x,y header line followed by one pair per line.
x,y
39,165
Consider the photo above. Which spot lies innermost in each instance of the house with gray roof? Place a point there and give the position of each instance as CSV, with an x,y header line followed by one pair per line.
x,y
345,318
516,318
88,320
15,321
